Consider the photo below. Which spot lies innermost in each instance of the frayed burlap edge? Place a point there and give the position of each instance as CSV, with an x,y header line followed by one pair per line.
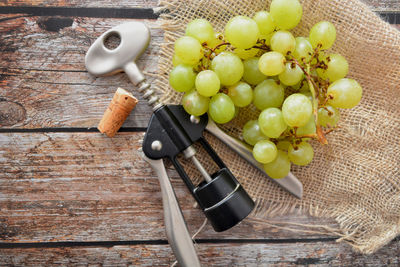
x,y
364,235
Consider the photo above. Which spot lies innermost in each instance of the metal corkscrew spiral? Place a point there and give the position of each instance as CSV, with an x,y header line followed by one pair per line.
x,y
149,94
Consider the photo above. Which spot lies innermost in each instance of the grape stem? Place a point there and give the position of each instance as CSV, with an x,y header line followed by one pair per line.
x,y
331,130
218,46
314,136
262,47
326,102
210,52
320,65
315,54
315,93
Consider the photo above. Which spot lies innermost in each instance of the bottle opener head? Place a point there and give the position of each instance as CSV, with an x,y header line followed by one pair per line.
x,y
134,39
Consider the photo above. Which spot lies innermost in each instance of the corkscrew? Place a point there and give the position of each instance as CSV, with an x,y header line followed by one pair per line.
x,y
171,132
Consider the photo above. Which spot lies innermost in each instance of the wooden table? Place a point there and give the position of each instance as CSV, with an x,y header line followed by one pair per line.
x,y
71,196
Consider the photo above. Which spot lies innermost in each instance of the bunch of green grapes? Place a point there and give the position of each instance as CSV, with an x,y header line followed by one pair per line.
x,y
297,86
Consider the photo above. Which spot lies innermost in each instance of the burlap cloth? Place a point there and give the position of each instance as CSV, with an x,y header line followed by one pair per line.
x,y
356,178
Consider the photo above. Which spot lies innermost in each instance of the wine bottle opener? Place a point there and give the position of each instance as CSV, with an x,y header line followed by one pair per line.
x,y
172,131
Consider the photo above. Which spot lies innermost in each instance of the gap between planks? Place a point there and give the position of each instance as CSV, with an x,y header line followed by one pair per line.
x,y
69,130
159,242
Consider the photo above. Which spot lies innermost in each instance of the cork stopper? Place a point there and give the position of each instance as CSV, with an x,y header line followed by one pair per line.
x,y
118,110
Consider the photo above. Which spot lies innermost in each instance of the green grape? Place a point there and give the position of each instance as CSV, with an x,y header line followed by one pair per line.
x,y
265,151
283,145
307,129
292,75
228,67
265,22
323,33
301,154
200,29
280,167
346,93
308,95
246,53
296,110
194,103
268,94
303,49
207,83
252,133
283,42
252,74
189,50
241,94
286,13
176,61
242,32
271,63
338,68
182,78
221,108
271,122
328,116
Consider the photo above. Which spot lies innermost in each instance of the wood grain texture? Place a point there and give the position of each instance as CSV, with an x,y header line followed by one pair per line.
x,y
224,254
87,187
83,3
43,72
84,187
383,5
376,5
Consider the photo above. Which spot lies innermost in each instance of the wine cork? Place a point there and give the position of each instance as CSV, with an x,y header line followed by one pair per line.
x,y
118,110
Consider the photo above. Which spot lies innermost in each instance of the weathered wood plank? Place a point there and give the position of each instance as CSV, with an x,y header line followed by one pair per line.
x,y
83,3
224,254
46,194
71,11
87,187
383,5
43,72
376,5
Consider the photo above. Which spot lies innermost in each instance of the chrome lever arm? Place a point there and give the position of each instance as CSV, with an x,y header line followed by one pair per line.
x,y
175,226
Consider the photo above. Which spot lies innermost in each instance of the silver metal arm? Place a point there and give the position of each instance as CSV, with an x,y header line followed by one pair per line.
x,y
290,182
175,226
